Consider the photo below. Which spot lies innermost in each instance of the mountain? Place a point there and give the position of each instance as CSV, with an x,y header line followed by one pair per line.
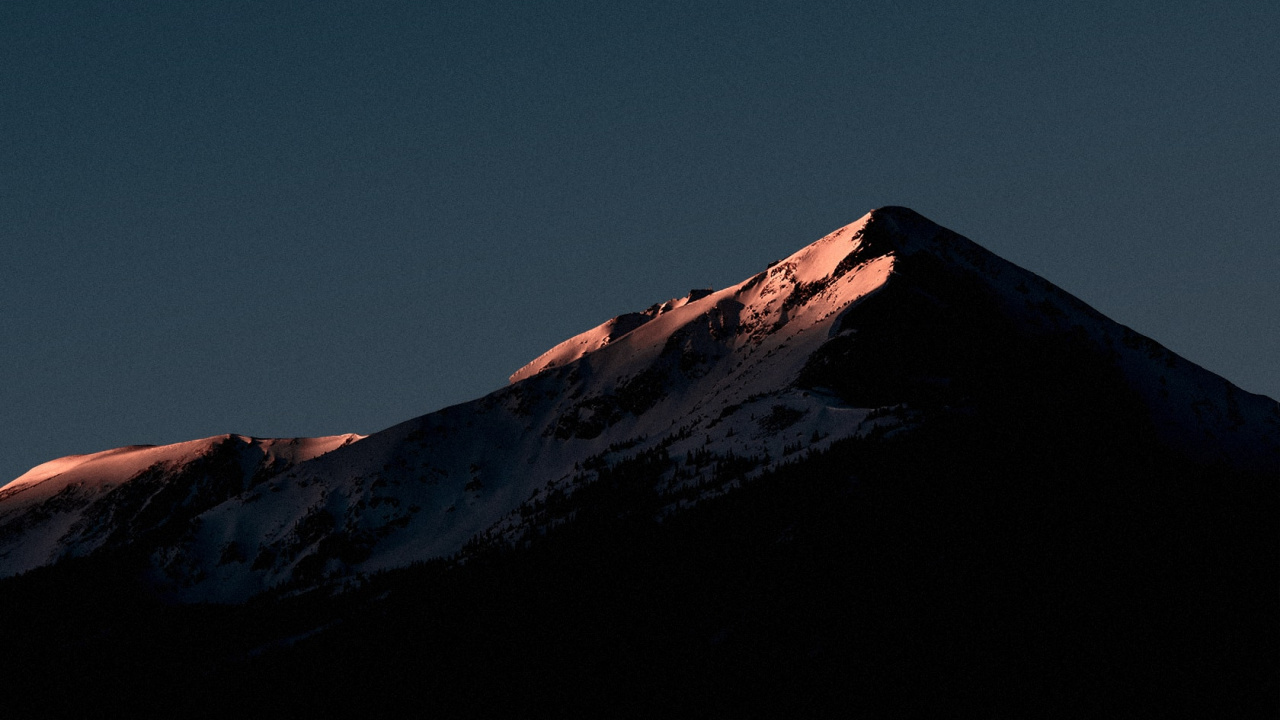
x,y
889,468
890,312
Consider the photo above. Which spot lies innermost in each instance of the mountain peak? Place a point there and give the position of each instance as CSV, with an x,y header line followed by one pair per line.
x,y
894,228
901,214
777,296
770,298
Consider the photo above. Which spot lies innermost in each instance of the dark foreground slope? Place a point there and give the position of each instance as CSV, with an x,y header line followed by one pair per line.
x,y
993,560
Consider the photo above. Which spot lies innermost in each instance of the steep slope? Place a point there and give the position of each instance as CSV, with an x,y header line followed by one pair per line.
x,y
871,330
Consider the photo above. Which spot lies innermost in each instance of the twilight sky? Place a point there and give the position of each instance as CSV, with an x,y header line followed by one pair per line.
x,y
285,219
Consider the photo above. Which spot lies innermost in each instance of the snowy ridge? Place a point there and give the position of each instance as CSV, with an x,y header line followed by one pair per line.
x,y
712,389
127,461
67,507
601,335
759,297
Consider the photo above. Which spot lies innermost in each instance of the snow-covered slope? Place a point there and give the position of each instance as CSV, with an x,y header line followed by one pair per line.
x,y
708,373
855,333
75,505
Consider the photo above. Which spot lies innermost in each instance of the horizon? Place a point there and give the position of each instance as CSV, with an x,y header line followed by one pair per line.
x,y
308,222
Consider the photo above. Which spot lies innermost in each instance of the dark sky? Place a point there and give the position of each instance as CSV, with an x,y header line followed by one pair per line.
x,y
309,218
